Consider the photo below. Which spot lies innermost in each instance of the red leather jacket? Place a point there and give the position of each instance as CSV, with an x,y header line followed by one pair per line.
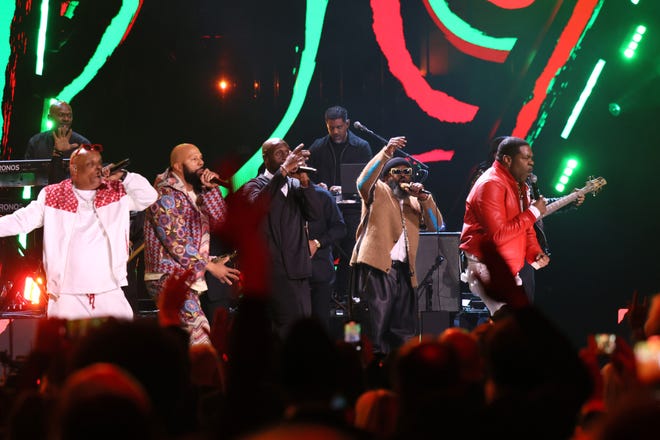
x,y
493,214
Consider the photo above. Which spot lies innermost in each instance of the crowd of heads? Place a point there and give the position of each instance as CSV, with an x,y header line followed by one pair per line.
x,y
514,377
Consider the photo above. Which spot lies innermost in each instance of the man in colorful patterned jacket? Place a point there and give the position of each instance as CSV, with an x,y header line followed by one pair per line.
x,y
177,233
85,237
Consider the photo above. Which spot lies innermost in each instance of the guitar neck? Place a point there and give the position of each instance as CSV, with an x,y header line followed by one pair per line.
x,y
561,202
591,187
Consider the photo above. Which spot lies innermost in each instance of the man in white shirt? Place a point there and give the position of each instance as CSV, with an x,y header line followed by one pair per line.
x,y
86,235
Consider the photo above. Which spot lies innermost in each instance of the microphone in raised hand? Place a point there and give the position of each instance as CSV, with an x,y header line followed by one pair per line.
x,y
305,169
406,187
110,171
114,167
536,194
541,204
212,178
295,163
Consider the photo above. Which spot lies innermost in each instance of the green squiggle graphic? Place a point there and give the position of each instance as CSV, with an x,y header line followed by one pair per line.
x,y
463,30
109,42
110,39
314,17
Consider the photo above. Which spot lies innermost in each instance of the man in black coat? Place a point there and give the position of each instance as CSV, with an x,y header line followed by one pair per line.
x,y
291,201
340,146
324,233
337,147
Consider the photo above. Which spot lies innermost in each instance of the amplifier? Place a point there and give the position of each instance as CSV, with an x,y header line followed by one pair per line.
x,y
438,272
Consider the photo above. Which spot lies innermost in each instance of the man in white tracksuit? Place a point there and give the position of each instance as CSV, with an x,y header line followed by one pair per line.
x,y
86,235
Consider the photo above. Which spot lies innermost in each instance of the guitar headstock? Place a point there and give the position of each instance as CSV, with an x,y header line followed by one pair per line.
x,y
594,185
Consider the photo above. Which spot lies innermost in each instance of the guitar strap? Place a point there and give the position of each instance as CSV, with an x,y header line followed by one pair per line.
x,y
540,236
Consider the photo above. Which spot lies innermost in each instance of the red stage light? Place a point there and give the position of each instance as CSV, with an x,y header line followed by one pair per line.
x,y
32,291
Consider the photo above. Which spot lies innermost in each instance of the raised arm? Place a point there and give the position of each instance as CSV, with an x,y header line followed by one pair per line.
x,y
371,172
24,220
142,194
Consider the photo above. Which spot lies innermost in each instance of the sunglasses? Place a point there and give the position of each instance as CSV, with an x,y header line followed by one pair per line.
x,y
398,171
88,147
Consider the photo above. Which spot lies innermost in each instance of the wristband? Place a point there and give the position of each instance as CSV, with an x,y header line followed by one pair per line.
x,y
317,243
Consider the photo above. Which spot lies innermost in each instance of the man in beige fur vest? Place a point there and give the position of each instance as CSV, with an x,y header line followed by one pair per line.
x,y
394,209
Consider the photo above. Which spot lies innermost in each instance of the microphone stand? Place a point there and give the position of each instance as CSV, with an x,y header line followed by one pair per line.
x,y
364,129
427,285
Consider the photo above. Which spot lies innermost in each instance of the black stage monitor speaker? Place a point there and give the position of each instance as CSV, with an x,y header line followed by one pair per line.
x,y
438,272
17,336
434,323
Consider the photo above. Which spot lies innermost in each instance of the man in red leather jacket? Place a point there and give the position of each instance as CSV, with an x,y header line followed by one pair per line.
x,y
498,228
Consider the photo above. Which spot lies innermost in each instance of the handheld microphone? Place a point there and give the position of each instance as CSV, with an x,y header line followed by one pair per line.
x,y
214,180
535,189
114,167
306,169
406,187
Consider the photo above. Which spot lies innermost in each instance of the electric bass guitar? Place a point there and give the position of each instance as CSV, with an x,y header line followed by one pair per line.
x,y
591,186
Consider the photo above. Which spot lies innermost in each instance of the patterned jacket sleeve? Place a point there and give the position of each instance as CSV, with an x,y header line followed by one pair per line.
x,y
214,205
168,218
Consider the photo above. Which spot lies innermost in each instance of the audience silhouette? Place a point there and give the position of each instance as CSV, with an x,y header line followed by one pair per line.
x,y
515,376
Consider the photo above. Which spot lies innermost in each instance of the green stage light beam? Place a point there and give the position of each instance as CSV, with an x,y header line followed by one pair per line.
x,y
565,177
579,105
41,39
634,42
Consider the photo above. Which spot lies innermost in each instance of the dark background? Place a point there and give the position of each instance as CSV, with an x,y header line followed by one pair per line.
x,y
158,89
